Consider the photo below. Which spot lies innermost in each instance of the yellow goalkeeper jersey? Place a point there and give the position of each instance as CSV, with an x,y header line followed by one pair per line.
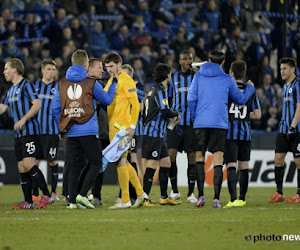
x,y
125,107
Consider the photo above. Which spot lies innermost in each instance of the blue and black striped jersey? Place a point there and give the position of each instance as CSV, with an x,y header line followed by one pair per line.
x,y
239,117
154,123
290,99
46,94
178,90
141,94
19,99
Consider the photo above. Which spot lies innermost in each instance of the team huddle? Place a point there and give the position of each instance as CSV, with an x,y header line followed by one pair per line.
x,y
185,111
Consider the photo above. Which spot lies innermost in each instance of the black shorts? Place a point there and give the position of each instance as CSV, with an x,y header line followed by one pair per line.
x,y
79,149
27,146
289,143
210,139
104,143
154,148
237,151
49,147
137,142
182,142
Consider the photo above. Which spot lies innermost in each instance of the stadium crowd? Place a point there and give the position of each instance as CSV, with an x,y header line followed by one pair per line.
x,y
147,32
153,36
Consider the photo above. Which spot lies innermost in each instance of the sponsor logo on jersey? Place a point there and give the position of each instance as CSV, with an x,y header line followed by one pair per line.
x,y
131,90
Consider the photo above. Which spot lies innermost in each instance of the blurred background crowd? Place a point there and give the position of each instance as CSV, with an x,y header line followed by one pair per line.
x,y
146,32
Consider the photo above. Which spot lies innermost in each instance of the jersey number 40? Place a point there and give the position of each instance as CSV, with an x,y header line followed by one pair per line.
x,y
239,111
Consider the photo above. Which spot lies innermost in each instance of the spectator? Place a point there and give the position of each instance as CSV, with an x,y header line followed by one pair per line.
x,y
201,52
139,73
85,17
143,10
111,11
11,49
78,35
231,10
99,40
30,28
14,5
253,56
181,16
120,38
212,16
271,119
62,18
67,35
11,30
266,68
2,28
269,92
139,26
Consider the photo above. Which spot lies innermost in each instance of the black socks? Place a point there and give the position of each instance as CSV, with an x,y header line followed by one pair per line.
x,y
218,179
244,181
231,182
26,185
191,176
279,172
298,181
38,177
163,181
200,177
54,178
148,179
173,177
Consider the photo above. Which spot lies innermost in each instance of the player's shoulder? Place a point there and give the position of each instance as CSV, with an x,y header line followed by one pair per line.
x,y
125,81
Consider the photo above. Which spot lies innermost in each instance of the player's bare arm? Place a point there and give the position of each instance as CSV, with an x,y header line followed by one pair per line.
x,y
3,108
255,114
296,117
36,106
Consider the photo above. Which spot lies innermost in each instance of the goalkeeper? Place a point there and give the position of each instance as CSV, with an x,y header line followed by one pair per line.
x,y
124,110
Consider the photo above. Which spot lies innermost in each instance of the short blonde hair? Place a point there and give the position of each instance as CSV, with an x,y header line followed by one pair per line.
x,y
129,68
80,57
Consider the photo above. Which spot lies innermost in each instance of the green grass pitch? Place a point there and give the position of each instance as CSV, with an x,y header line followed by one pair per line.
x,y
162,227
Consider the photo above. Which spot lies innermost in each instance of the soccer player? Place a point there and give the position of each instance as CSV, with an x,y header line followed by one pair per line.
x,y
288,137
238,139
137,140
182,137
45,88
74,109
154,151
95,70
208,103
24,105
124,112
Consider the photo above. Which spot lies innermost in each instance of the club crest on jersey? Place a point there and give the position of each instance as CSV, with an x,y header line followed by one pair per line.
x,y
53,90
154,154
18,91
290,90
165,101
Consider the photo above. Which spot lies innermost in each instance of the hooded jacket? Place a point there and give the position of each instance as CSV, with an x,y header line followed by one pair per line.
x,y
208,96
77,73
